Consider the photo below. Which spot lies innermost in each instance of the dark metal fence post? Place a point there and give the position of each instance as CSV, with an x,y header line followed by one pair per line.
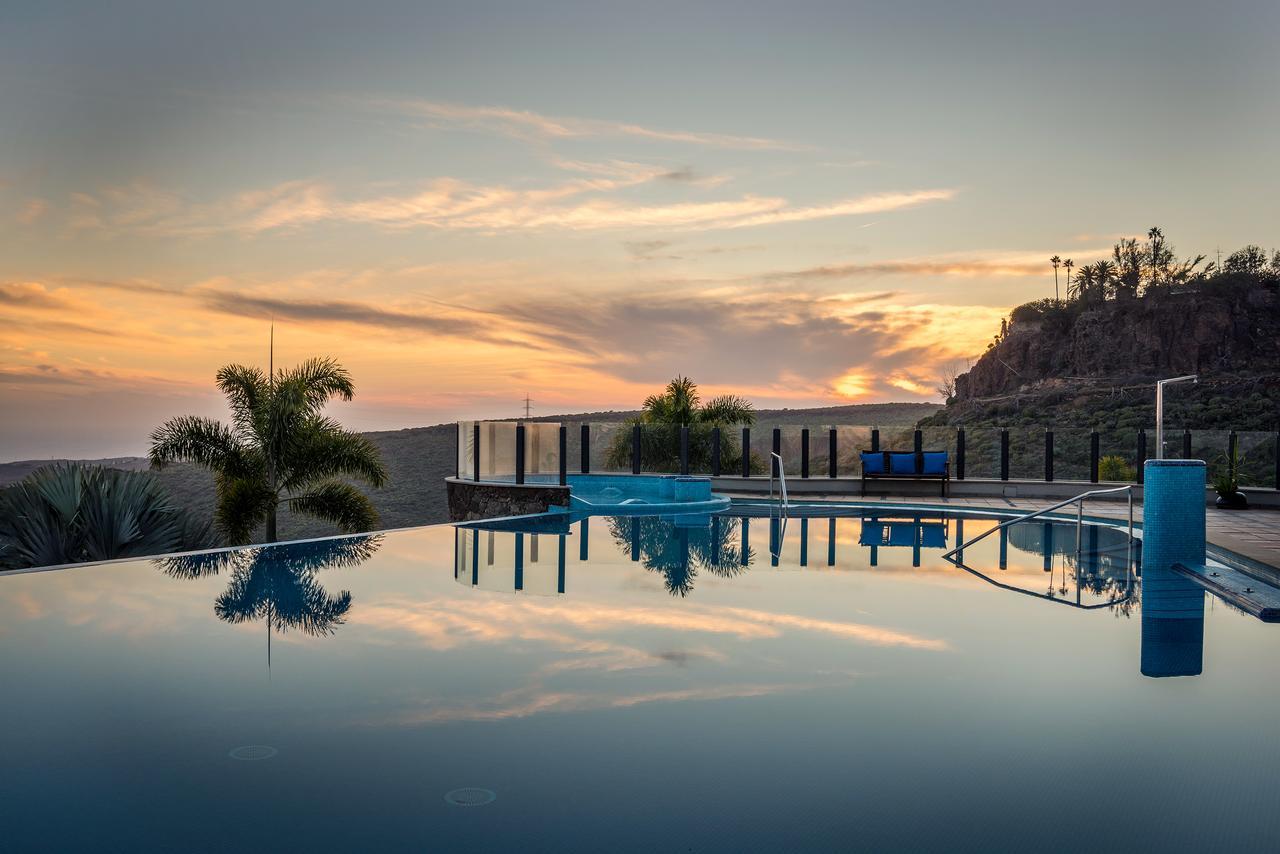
x,y
831,453
519,453
959,453
1048,456
684,450
1233,443
1142,454
777,449
586,449
1093,456
1186,444
1004,453
804,452
1278,460
635,449
564,455
875,439
715,452
475,451
918,441
746,452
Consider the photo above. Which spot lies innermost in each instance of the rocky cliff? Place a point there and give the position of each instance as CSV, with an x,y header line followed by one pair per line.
x,y
1219,333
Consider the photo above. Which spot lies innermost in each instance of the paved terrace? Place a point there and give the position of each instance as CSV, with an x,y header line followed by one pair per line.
x,y
1252,533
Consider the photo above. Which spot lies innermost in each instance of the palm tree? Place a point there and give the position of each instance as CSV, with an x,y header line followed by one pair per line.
x,y
1084,283
1068,264
66,513
679,405
1055,261
279,451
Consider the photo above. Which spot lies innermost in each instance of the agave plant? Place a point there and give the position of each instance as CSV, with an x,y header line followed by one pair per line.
x,y
280,450
66,513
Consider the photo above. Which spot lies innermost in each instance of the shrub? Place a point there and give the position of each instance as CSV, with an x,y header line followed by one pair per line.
x,y
1115,468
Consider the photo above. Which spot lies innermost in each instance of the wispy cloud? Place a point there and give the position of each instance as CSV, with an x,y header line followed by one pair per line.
x,y
526,124
451,204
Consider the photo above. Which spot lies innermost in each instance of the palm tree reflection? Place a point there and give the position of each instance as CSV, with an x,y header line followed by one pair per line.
x,y
680,549
278,583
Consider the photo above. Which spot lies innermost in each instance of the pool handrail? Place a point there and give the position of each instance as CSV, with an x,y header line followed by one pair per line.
x,y
782,481
1078,500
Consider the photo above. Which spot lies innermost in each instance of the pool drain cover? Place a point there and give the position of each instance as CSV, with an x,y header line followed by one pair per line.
x,y
253,752
470,796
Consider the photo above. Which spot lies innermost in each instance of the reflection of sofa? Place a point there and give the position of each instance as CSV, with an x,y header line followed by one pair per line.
x,y
925,533
906,465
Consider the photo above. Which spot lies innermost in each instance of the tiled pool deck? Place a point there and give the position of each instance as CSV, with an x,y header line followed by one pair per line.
x,y
1252,533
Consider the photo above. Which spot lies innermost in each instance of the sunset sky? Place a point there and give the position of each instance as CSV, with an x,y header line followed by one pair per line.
x,y
803,203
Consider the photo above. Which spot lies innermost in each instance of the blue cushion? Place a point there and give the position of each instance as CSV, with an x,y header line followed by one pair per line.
x,y
902,464
873,462
935,462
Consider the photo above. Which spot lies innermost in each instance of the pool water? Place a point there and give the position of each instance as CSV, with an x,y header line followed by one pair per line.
x,y
711,683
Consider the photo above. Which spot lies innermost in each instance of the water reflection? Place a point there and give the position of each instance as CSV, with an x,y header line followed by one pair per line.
x,y
278,584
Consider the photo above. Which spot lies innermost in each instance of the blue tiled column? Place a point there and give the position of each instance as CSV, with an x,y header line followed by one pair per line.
x,y
1172,532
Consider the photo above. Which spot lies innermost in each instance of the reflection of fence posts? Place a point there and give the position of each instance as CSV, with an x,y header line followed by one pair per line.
x,y
1004,453
1094,442
960,454
804,453
831,453
1048,456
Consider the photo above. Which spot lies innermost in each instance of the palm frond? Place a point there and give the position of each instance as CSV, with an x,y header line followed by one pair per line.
x,y
727,409
339,503
246,390
318,379
203,441
324,450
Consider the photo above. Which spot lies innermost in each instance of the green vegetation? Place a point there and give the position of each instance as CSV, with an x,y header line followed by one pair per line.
x,y
1115,468
279,452
679,405
68,513
1226,480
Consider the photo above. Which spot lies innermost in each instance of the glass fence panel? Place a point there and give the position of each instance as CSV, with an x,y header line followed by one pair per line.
x,y
789,445
542,451
1026,453
1211,446
1118,455
610,447
981,453
497,450
1257,453
897,437
850,440
1071,449
660,448
573,446
466,449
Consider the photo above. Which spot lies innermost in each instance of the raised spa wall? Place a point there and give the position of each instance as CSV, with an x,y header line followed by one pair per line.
x,y
470,501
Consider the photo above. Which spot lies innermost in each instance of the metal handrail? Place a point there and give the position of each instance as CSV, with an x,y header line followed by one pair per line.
x,y
1077,500
782,480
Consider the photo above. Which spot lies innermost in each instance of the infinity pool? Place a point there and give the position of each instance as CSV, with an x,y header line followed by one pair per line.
x,y
714,683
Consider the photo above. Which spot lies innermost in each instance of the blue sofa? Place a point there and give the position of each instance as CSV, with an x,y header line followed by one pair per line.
x,y
906,465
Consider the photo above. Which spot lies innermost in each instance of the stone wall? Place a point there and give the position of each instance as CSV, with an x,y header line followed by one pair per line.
x,y
470,501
